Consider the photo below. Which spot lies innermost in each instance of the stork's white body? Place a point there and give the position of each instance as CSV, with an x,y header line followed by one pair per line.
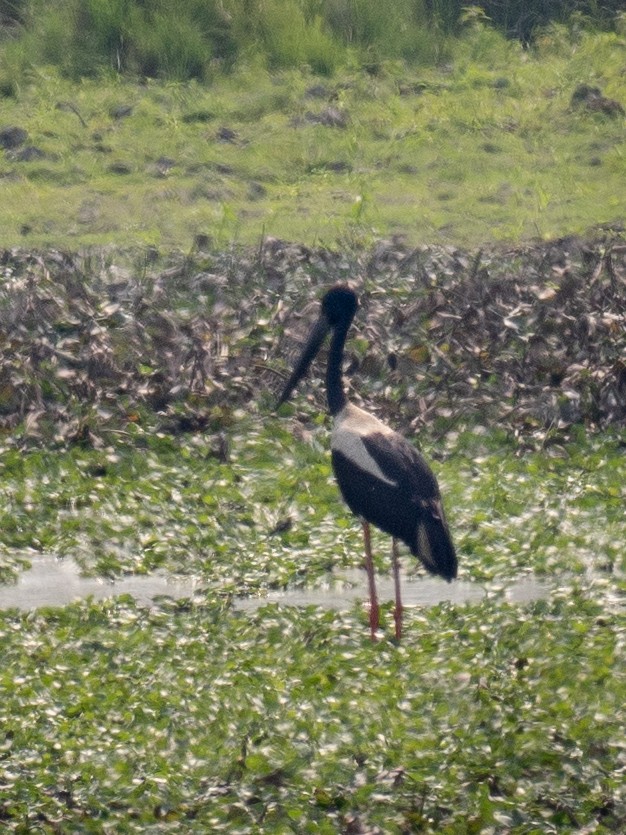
x,y
350,428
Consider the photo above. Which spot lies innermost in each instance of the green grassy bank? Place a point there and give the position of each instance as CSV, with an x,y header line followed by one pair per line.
x,y
498,144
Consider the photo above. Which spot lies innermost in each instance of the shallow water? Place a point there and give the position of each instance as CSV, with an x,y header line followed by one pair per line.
x,y
54,582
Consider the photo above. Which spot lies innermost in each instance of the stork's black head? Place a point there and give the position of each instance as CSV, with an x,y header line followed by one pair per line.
x,y
338,308
339,305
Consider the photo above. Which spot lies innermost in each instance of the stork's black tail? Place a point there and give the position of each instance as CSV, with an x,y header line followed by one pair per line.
x,y
433,543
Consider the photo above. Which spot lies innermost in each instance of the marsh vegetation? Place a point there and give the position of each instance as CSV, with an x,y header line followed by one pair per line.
x,y
152,294
139,434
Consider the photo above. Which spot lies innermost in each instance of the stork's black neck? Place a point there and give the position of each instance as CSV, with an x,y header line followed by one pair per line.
x,y
334,380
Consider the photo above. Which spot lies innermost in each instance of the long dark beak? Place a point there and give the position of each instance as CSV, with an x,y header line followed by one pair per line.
x,y
314,343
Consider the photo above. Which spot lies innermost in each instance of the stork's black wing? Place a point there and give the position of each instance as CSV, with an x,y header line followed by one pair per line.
x,y
418,501
402,463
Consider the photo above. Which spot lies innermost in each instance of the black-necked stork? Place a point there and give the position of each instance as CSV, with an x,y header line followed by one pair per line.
x,y
382,477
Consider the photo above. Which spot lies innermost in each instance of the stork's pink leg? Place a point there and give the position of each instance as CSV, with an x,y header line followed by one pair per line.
x,y
397,614
369,567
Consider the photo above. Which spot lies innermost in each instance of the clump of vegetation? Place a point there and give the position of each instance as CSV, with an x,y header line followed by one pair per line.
x,y
200,38
532,338
86,37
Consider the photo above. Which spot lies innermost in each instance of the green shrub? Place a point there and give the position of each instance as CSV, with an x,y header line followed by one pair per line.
x,y
287,38
174,49
385,30
191,38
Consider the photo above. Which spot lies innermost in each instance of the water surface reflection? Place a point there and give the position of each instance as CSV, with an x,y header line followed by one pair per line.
x,y
54,582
